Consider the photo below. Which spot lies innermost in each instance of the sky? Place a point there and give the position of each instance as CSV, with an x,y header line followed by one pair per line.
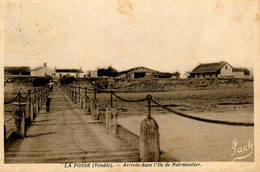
x,y
164,35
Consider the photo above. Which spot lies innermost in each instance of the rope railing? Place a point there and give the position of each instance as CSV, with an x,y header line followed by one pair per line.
x,y
5,102
9,120
203,119
19,94
5,82
149,130
28,110
150,100
35,91
25,96
149,97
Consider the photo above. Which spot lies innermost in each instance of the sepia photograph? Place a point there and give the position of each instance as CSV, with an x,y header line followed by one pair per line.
x,y
127,83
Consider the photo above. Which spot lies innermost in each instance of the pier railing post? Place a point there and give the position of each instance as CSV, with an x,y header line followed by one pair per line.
x,y
95,93
79,97
149,138
94,109
19,118
111,99
28,106
88,104
35,103
72,94
107,119
38,100
42,96
81,101
84,106
5,139
75,96
31,111
113,121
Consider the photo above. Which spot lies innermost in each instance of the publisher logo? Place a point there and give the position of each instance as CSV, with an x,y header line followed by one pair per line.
x,y
241,151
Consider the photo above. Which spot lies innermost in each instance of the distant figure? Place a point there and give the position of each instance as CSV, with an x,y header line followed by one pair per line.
x,y
48,104
51,86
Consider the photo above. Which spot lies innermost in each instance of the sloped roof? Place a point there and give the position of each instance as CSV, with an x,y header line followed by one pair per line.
x,y
140,69
69,70
208,67
17,69
38,68
239,69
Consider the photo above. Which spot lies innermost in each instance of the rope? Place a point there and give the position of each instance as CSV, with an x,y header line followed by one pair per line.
x,y
203,119
90,89
180,113
21,93
12,100
103,91
25,96
6,82
71,89
9,120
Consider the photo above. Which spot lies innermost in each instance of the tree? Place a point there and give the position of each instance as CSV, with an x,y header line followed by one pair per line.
x,y
109,72
177,74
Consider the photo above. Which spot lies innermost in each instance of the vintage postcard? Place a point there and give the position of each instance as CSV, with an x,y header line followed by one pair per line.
x,y
128,85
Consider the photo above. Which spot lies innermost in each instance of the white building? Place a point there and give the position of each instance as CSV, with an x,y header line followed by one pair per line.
x,y
77,73
92,74
241,73
17,70
41,71
212,70
138,72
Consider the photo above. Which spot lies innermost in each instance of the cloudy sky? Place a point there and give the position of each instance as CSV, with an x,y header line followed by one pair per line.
x,y
165,35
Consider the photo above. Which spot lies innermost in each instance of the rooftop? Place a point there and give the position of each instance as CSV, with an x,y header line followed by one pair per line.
x,y
17,69
209,67
239,69
69,70
140,69
38,68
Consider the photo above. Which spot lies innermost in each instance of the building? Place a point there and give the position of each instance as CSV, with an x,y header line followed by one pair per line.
x,y
41,71
174,75
138,72
241,73
77,73
212,70
17,70
92,74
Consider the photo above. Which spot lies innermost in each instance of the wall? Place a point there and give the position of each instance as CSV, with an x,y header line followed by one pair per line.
x,y
76,75
134,140
226,70
93,74
40,72
239,74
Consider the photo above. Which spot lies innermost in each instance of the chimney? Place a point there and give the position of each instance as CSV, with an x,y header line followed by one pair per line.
x,y
54,67
80,67
45,64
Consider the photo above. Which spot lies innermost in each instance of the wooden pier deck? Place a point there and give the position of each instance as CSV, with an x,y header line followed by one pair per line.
x,y
67,134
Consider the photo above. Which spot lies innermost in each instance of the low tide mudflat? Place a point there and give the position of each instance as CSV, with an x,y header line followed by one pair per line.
x,y
191,140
